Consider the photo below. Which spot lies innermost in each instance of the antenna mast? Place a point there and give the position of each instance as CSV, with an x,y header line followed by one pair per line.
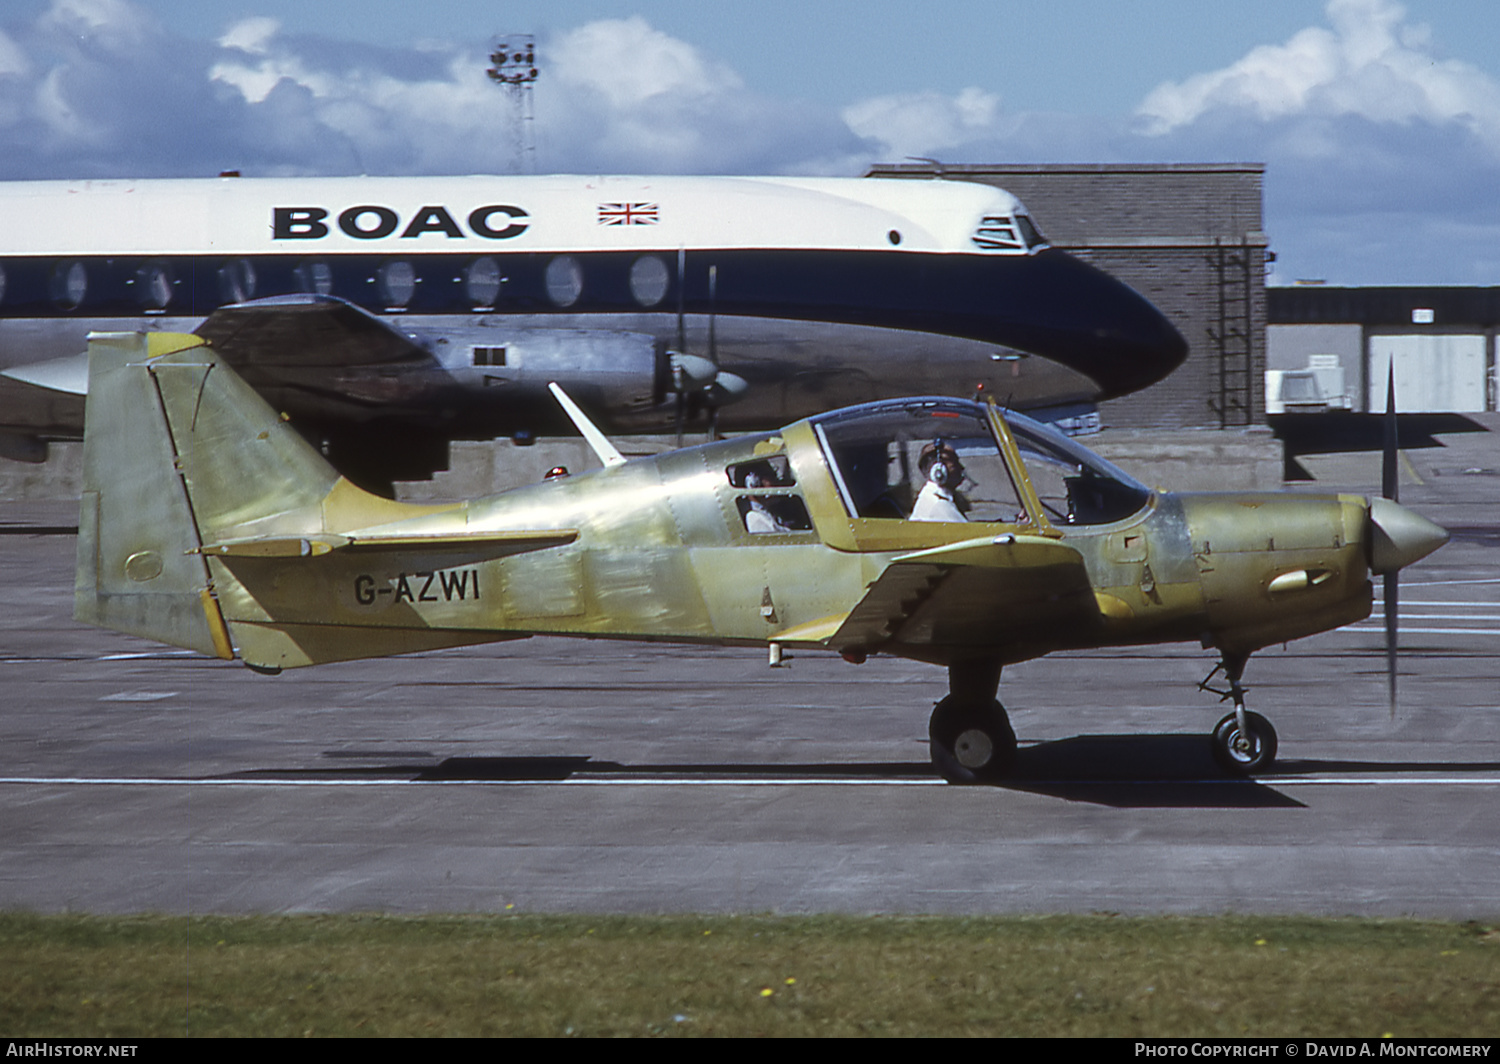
x,y
513,67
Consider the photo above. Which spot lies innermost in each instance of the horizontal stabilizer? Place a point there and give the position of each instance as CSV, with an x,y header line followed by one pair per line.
x,y
69,374
490,544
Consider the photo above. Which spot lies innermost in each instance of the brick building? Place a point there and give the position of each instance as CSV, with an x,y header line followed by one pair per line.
x,y
1187,236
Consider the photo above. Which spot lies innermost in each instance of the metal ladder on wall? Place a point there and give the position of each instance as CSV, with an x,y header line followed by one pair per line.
x,y
1232,396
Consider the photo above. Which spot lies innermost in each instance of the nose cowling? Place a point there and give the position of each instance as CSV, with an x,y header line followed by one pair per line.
x,y
1398,536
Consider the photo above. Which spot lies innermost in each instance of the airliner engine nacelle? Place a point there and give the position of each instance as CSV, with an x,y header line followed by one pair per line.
x,y
632,381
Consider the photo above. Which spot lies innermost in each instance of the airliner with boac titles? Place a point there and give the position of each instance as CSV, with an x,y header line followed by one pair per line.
x,y
387,316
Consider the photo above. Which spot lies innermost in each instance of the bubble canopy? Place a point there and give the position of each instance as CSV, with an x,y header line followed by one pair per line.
x,y
882,454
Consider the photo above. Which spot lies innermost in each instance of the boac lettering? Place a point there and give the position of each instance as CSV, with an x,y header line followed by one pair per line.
x,y
385,222
433,220
298,223
373,221
479,221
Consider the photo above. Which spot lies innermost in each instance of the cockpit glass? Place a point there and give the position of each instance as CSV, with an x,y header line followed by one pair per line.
x,y
938,460
1075,486
926,460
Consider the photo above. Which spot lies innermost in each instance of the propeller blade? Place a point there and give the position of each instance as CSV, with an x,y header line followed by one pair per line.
x,y
1391,595
713,302
681,296
691,372
1389,486
713,346
727,388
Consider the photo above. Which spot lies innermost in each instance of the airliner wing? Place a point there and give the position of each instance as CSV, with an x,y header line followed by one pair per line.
x,y
305,331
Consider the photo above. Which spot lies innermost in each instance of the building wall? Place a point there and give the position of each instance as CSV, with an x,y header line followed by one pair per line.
x,y
1161,229
1442,339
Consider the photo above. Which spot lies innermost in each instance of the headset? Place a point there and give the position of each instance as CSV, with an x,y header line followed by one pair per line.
x,y
939,472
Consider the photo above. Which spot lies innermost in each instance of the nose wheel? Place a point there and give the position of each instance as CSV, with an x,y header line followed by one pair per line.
x,y
1243,748
1243,742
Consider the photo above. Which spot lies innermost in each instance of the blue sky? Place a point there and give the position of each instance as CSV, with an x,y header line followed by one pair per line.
x,y
1379,121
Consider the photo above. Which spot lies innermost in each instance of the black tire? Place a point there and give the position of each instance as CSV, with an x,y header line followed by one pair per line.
x,y
1262,747
971,742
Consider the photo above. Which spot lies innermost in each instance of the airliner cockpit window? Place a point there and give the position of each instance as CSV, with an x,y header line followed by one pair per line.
x,y
1075,486
922,460
1029,232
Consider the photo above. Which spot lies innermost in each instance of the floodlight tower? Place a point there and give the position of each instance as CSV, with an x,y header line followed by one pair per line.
x,y
513,67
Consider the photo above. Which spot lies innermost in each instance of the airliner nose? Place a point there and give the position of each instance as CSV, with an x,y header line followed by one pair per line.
x,y
1106,329
1399,536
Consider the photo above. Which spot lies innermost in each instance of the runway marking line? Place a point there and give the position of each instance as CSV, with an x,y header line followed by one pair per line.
x,y
1315,781
1416,631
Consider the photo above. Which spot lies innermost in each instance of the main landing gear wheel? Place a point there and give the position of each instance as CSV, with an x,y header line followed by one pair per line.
x,y
971,742
1245,752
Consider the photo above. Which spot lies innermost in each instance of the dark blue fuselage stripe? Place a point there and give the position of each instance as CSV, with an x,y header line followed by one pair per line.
x,y
1048,303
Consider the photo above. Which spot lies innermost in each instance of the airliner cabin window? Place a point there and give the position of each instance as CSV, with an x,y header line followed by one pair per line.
x,y
482,282
397,282
70,283
236,281
153,284
314,277
564,281
649,280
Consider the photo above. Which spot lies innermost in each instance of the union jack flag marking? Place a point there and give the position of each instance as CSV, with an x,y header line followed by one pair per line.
x,y
628,213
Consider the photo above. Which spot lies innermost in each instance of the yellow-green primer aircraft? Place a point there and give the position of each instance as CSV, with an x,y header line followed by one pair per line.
x,y
935,529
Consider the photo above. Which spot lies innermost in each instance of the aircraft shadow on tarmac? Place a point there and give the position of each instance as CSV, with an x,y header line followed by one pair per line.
x,y
1127,771
1123,771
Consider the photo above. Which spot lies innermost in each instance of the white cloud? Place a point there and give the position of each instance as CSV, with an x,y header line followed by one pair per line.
x,y
1371,64
618,95
114,24
252,35
626,62
924,123
100,88
12,59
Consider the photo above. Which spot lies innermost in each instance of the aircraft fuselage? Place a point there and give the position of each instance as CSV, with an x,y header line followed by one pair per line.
x,y
813,293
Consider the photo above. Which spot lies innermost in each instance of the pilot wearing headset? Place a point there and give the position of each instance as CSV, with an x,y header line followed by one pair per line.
x,y
940,499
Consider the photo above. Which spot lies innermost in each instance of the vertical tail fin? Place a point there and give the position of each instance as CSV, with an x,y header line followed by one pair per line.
x,y
176,454
181,458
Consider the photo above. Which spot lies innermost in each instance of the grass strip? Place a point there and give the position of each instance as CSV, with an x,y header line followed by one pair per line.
x,y
524,975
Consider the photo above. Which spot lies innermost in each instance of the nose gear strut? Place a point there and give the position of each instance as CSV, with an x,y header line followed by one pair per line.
x,y
1242,742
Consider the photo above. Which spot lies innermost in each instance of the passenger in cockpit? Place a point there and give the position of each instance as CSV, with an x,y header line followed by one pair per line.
x,y
940,499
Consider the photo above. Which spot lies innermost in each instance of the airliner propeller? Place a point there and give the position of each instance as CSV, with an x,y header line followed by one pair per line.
x,y
693,374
